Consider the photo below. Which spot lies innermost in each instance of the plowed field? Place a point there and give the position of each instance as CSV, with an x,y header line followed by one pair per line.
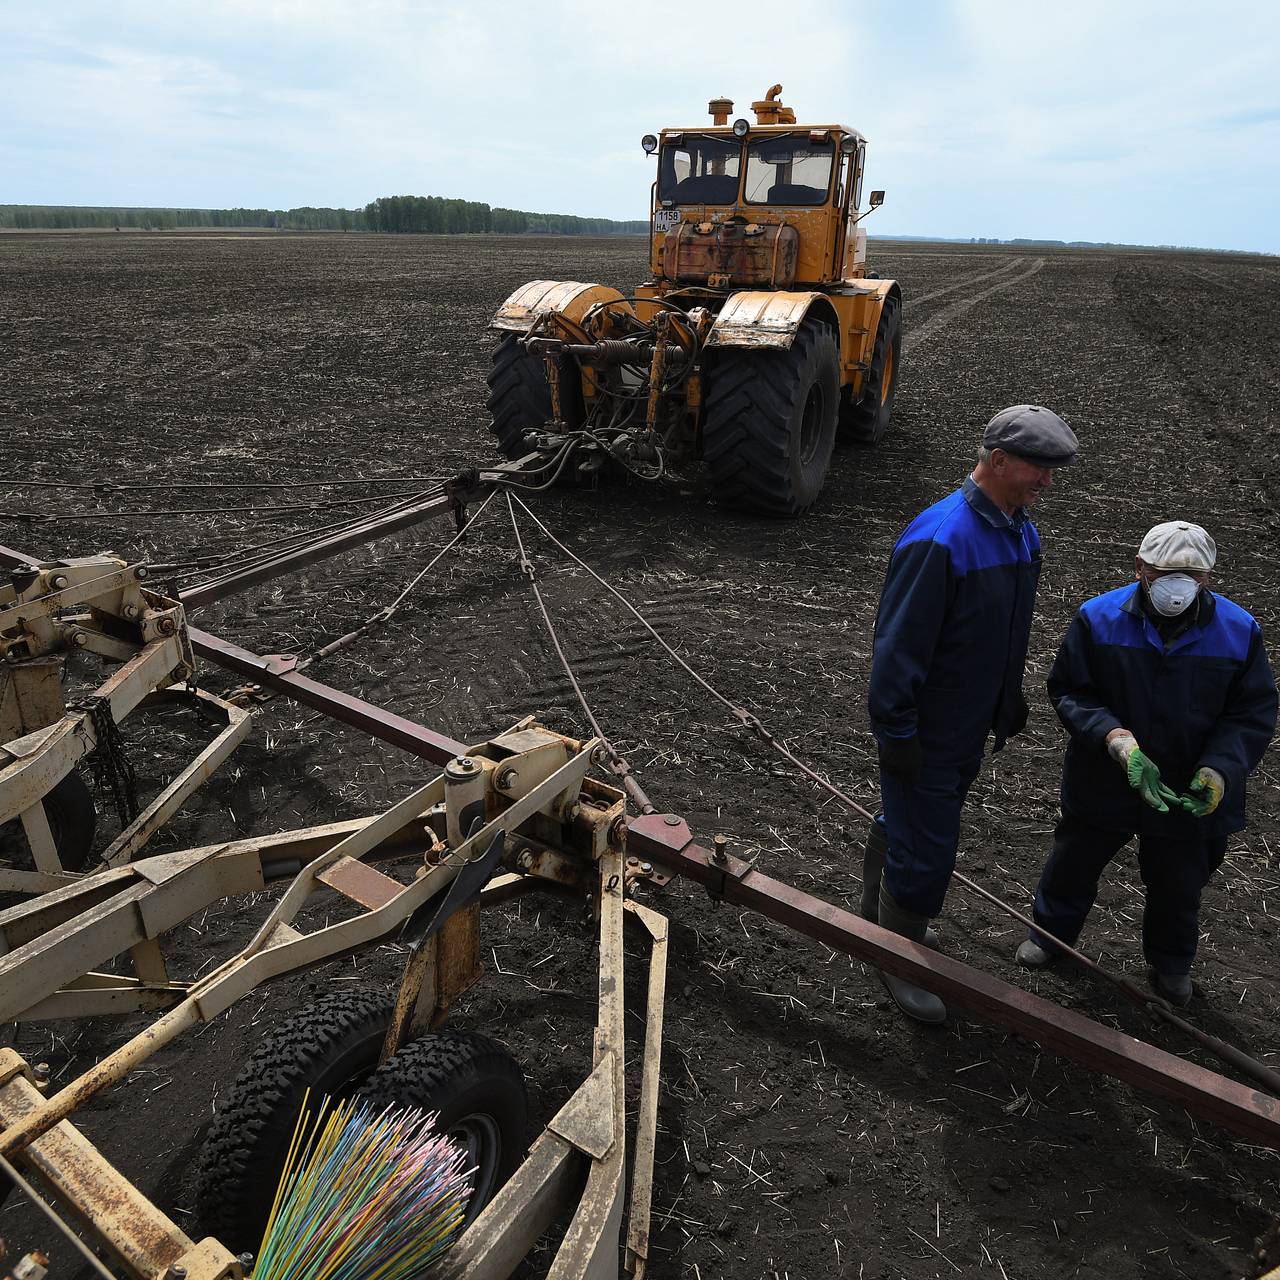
x,y
805,1129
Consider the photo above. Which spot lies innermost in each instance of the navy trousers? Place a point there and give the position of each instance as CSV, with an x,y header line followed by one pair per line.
x,y
1174,873
922,822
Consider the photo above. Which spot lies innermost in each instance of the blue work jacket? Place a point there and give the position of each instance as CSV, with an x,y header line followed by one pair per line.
x,y
1208,699
952,627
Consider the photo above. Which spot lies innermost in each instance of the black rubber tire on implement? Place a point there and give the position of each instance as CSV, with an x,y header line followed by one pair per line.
x,y
73,821
520,396
771,422
478,1089
866,419
331,1047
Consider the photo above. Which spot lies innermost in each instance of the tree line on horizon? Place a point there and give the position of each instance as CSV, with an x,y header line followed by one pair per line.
x,y
398,214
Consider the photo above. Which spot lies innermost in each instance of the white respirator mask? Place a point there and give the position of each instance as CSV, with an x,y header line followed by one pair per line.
x,y
1172,594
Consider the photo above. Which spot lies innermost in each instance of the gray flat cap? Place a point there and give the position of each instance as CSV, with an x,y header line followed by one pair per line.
x,y
1179,544
1033,432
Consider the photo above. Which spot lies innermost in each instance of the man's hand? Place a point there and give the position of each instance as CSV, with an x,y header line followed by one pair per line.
x,y
900,757
1205,794
1141,770
1144,778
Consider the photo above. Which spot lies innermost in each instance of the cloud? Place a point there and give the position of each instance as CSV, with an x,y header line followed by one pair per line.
x,y
985,117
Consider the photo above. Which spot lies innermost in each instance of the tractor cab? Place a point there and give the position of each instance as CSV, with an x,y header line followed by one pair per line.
x,y
766,205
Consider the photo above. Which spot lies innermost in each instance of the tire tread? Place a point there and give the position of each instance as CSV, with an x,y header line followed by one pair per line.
x,y
747,437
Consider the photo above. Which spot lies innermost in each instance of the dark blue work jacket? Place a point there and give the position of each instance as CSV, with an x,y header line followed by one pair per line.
x,y
952,628
1209,699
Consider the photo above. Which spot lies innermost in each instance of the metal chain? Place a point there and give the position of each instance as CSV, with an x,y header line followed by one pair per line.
x,y
112,769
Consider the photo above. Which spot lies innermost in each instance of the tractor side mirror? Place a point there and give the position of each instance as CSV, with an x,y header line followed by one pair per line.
x,y
877,199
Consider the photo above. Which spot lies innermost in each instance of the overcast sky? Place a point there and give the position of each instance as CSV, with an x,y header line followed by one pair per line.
x,y
1147,123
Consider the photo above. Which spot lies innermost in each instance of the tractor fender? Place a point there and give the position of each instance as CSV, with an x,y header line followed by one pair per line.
x,y
768,318
873,291
569,298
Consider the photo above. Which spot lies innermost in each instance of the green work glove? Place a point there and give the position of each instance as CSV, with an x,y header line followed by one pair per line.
x,y
1144,778
1205,794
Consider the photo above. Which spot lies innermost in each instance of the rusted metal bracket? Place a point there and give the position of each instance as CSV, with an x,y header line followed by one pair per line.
x,y
723,866
138,1235
1204,1093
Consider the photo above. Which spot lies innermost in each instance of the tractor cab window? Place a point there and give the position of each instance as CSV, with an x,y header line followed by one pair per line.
x,y
789,170
700,170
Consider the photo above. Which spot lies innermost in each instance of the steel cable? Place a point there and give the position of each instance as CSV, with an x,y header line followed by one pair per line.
x,y
615,760
385,615
107,486
1151,1003
41,518
237,561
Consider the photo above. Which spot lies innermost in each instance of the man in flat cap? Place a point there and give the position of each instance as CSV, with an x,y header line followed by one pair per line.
x,y
1169,699
946,669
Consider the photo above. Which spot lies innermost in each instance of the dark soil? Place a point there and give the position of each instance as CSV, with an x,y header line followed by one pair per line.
x,y
805,1129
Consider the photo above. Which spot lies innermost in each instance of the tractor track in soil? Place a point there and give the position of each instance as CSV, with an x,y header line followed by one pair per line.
x,y
804,1129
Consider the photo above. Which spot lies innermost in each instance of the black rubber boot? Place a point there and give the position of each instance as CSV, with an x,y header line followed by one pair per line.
x,y
872,870
1175,987
914,1001
1033,954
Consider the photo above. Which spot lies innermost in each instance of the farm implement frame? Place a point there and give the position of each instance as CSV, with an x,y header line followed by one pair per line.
x,y
515,813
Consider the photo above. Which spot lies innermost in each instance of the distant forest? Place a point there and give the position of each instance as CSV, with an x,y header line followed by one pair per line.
x,y
387,213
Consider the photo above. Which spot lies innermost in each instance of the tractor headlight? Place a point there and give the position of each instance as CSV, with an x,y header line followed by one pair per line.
x,y
741,127
848,145
650,144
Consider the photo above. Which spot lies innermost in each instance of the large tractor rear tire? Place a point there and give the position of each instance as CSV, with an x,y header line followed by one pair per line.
x,y
866,419
771,423
520,396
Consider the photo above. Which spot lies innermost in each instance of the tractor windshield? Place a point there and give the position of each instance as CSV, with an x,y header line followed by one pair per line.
x,y
700,170
789,170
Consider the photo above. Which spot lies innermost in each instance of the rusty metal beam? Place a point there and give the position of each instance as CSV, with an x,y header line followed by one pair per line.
x,y
276,673
666,839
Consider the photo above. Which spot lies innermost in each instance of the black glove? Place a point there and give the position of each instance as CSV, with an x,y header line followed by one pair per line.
x,y
1018,722
900,757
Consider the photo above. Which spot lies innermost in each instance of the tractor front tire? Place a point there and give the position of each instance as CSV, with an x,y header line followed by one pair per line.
x,y
478,1090
866,419
771,422
331,1047
520,395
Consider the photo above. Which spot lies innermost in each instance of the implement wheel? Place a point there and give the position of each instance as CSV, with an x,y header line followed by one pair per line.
x,y
478,1089
866,419
771,423
330,1047
520,396
72,823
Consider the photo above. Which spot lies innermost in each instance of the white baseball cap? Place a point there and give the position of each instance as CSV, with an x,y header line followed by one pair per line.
x,y
1178,544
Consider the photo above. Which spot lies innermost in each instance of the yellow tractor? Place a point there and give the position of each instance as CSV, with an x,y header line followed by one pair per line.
x,y
759,334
